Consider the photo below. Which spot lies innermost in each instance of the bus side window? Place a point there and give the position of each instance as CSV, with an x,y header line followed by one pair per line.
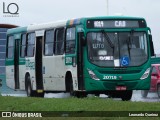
x,y
59,41
30,44
10,47
49,43
23,45
70,40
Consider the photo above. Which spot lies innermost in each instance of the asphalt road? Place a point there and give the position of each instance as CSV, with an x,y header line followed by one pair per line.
x,y
152,97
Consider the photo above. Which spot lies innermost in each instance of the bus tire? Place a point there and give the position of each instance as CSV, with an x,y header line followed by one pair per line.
x,y
126,95
71,91
144,93
40,95
81,94
29,90
158,90
69,84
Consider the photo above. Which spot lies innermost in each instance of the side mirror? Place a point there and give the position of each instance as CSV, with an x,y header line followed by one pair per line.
x,y
151,45
82,38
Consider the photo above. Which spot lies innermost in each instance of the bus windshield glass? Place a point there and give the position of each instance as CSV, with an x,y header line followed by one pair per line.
x,y
117,49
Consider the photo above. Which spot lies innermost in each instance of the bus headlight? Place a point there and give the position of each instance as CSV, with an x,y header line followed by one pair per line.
x,y
145,75
92,75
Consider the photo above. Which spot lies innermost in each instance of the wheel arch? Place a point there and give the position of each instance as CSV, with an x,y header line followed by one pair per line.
x,y
26,80
67,80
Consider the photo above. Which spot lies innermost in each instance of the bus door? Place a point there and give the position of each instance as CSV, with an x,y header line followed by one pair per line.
x,y
38,60
80,61
38,63
12,62
16,63
71,58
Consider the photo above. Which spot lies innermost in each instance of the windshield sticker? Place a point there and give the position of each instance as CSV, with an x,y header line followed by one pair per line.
x,y
116,62
125,61
105,57
102,52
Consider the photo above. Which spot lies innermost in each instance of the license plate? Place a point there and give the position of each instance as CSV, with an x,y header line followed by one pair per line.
x,y
121,88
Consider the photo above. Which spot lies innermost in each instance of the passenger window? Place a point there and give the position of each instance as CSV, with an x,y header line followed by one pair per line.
x,y
70,41
30,44
23,45
10,47
49,42
59,41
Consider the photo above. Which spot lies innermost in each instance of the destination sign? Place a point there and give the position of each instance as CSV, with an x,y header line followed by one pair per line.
x,y
116,24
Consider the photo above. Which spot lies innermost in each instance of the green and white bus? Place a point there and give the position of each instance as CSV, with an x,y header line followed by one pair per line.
x,y
109,55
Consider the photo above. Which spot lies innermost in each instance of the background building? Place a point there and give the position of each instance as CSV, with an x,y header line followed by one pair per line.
x,y
3,36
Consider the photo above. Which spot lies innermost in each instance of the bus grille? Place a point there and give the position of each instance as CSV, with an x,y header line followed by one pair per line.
x,y
120,72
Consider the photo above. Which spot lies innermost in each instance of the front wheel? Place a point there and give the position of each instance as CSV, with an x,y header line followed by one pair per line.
x,y
158,90
127,95
144,93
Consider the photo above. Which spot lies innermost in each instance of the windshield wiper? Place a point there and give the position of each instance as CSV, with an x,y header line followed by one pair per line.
x,y
108,39
129,44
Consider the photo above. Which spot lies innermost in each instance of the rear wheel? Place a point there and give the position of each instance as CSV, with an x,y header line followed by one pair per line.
x,y
29,90
81,94
144,93
71,91
126,95
40,94
76,93
158,90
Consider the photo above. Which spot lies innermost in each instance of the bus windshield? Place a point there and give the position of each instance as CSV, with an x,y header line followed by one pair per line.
x,y
117,49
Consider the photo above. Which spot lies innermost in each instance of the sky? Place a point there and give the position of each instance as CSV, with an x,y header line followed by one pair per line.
x,y
36,11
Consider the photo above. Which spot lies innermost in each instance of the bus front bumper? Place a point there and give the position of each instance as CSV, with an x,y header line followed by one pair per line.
x,y
103,85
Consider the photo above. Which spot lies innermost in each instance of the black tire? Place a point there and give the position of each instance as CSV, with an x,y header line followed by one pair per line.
x,y
29,90
71,91
144,93
97,94
81,94
40,95
158,90
126,95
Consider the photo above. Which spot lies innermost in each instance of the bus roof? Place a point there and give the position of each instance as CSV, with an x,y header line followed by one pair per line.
x,y
76,21
48,25
16,30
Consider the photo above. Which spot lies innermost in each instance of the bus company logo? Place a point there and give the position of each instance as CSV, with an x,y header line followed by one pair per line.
x,y
10,10
6,114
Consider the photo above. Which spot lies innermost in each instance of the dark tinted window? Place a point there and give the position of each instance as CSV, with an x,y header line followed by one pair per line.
x,y
49,42
23,45
59,41
70,40
30,44
10,47
154,70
